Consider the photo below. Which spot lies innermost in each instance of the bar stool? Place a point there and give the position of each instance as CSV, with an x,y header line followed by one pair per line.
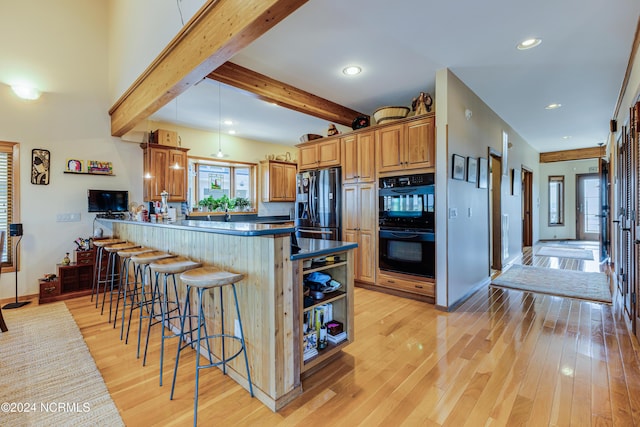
x,y
203,279
116,277
141,269
95,284
125,255
166,267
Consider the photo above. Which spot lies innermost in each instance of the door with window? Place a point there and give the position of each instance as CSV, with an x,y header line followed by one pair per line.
x,y
588,207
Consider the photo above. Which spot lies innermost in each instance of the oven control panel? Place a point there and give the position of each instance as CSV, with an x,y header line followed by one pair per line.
x,y
407,180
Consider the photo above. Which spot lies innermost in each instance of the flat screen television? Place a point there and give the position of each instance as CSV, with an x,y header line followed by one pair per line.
x,y
108,200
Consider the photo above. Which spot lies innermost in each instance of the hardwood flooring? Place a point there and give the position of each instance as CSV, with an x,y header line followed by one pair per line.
x,y
503,358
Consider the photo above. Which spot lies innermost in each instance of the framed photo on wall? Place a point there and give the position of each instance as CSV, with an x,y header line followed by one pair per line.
x,y
472,169
458,167
483,172
40,161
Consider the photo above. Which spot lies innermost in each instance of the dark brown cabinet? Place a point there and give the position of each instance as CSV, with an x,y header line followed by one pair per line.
x,y
72,280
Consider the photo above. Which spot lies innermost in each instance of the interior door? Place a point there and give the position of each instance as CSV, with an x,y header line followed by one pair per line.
x,y
495,188
588,206
527,207
622,221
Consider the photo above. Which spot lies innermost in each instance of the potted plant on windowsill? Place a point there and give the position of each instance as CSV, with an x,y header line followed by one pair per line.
x,y
242,204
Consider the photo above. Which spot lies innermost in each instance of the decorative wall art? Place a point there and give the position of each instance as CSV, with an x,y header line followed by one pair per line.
x,y
99,167
458,167
472,169
483,172
74,166
40,161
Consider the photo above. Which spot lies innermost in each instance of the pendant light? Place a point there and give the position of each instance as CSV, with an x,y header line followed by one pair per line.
x,y
220,155
176,165
147,174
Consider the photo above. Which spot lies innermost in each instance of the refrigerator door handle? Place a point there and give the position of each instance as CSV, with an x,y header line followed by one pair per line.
x,y
312,196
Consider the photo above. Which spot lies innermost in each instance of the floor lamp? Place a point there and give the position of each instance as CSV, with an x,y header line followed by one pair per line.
x,y
16,230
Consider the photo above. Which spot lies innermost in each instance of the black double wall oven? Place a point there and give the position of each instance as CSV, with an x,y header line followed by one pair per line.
x,y
406,219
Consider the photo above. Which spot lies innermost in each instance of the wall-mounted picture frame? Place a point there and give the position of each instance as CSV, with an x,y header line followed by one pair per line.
x,y
458,167
99,167
483,173
516,182
74,165
40,162
472,169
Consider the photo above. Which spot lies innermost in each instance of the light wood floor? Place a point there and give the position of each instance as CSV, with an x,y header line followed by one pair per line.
x,y
503,358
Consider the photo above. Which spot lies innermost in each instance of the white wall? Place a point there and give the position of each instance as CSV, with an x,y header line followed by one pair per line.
x,y
569,170
61,47
463,241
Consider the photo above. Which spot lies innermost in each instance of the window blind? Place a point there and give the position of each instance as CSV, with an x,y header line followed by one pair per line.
x,y
6,197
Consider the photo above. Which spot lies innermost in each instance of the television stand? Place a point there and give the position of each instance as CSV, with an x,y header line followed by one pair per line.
x,y
111,215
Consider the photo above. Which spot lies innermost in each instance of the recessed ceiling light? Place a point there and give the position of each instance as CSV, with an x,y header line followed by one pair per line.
x,y
566,137
352,70
228,122
528,44
552,106
232,132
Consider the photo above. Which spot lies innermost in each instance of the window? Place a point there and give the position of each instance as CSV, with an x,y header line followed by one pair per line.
x,y
556,200
213,178
9,173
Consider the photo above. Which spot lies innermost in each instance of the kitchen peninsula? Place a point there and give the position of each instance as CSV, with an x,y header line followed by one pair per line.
x,y
271,297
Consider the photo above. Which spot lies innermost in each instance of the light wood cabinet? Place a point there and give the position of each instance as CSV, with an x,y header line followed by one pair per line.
x,y
360,226
405,283
278,181
408,145
167,167
358,154
313,155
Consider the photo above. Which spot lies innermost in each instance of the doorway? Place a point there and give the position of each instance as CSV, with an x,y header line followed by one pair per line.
x,y
527,207
495,190
588,208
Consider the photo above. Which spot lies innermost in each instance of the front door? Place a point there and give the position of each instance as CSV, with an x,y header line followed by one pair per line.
x,y
588,207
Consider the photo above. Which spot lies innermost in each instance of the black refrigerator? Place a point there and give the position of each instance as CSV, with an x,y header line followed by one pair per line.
x,y
318,204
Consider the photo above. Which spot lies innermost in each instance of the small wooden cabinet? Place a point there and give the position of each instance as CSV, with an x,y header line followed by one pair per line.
x,y
72,280
313,155
167,168
407,145
278,181
358,152
405,283
360,226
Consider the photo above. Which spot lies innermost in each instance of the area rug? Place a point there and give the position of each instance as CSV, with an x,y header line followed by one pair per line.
x,y
552,281
566,252
47,375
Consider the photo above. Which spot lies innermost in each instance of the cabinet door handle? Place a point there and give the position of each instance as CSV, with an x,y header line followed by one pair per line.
x,y
50,289
391,281
419,286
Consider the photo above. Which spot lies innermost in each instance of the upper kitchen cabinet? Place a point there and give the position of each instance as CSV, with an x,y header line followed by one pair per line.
x,y
314,155
278,181
167,168
358,152
407,145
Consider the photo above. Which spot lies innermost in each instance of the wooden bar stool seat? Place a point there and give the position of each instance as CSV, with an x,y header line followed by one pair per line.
x,y
169,304
202,279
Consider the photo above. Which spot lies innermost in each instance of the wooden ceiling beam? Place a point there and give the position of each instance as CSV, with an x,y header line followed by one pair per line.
x,y
578,154
269,90
216,32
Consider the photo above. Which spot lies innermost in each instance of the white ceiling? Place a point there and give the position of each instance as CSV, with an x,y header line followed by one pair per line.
x,y
580,64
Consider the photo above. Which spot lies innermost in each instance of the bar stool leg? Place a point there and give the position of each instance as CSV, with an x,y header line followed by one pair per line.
x,y
244,345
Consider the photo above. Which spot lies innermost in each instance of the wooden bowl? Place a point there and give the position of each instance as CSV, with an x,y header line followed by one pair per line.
x,y
387,114
309,137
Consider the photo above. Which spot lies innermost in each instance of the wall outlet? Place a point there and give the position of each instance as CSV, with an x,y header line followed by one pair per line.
x,y
453,212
